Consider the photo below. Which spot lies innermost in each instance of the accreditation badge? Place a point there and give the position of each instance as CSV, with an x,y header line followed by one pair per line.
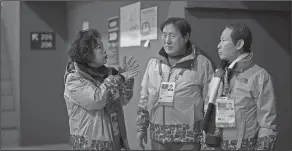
x,y
225,112
166,93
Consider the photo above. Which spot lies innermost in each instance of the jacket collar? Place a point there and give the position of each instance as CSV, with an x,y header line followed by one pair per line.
x,y
185,62
244,64
90,72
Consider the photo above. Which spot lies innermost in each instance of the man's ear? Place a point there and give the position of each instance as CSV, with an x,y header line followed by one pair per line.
x,y
240,44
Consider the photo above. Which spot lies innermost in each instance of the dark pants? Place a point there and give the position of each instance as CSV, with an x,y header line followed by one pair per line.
x,y
174,146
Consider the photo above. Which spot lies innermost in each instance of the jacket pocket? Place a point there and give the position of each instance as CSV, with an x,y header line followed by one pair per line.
x,y
241,88
242,94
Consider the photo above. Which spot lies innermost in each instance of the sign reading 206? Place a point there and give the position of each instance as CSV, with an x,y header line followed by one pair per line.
x,y
43,40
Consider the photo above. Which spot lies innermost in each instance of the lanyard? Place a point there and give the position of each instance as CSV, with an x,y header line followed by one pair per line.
x,y
226,88
176,77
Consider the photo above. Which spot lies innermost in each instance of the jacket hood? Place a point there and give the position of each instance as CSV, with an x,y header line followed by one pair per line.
x,y
186,62
90,73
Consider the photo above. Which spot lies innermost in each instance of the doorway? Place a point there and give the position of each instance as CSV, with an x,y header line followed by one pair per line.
x,y
271,46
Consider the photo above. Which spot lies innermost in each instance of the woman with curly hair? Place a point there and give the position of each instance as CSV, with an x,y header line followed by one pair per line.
x,y
95,95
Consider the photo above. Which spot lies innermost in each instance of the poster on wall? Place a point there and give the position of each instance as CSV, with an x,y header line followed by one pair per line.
x,y
149,23
130,25
113,41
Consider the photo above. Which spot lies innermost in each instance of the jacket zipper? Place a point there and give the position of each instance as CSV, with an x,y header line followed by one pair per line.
x,y
163,107
102,126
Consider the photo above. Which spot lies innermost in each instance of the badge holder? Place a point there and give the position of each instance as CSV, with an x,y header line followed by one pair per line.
x,y
166,90
166,93
225,113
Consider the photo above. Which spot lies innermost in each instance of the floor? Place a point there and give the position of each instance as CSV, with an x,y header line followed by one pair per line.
x,y
42,147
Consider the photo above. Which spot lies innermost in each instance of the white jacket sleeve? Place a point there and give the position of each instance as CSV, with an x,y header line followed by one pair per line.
x,y
142,111
266,112
84,93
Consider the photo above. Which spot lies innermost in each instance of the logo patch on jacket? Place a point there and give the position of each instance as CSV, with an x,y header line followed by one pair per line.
x,y
242,80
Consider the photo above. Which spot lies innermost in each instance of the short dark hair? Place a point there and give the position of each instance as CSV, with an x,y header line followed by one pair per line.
x,y
84,45
179,24
241,31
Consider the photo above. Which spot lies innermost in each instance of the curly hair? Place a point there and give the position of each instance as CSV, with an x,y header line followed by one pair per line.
x,y
84,45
